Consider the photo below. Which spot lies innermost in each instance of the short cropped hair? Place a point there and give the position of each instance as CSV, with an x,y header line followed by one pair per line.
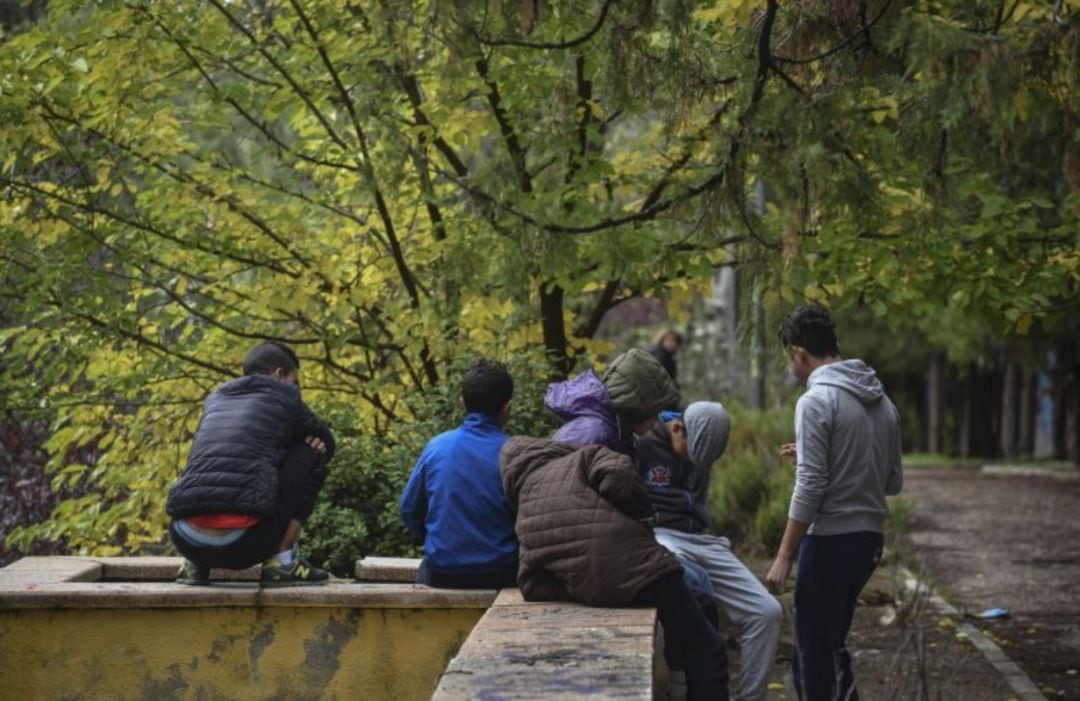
x,y
266,357
810,327
486,387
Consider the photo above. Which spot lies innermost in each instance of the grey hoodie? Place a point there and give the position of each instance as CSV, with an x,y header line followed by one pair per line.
x,y
847,436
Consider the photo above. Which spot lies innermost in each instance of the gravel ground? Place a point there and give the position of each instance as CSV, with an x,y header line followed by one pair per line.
x,y
1009,541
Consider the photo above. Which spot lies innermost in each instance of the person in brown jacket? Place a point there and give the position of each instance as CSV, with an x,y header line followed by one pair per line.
x,y
583,522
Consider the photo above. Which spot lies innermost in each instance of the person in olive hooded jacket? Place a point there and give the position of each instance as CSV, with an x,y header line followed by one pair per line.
x,y
581,519
611,409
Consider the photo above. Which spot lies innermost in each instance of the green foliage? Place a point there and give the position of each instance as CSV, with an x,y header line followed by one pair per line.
x,y
357,512
391,186
751,484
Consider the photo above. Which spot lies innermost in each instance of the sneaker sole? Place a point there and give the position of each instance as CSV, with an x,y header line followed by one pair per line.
x,y
193,582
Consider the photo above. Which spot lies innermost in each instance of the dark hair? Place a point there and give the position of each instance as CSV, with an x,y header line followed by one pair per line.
x,y
266,357
665,333
486,387
810,327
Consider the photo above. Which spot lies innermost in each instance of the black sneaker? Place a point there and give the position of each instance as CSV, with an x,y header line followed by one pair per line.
x,y
192,574
300,574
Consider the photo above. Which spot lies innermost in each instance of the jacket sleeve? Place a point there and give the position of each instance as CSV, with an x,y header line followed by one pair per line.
x,y
613,476
812,425
308,424
414,499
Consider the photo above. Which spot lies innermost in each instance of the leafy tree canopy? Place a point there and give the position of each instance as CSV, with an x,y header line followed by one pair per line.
x,y
391,185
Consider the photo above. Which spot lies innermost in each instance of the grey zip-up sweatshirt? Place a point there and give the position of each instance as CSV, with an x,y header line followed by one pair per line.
x,y
847,436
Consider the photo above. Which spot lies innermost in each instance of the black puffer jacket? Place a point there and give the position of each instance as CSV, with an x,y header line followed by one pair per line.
x,y
246,427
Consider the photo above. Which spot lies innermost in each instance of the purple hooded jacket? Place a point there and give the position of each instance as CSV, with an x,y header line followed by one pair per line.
x,y
586,407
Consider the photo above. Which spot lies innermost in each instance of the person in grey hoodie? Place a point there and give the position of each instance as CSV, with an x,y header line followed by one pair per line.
x,y
847,456
675,459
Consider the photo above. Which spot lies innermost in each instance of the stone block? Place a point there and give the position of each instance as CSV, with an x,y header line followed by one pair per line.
x,y
387,569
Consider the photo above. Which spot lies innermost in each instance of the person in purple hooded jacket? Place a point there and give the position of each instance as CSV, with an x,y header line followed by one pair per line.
x,y
611,409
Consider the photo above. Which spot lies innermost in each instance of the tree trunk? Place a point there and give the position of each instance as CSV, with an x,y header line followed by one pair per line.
x,y
1008,431
757,349
934,403
1025,440
985,389
963,424
551,314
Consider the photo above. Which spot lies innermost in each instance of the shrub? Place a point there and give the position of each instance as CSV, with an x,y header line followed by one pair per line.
x,y
751,484
357,512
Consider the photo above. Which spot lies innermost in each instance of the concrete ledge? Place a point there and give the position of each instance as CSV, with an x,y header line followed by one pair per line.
x,y
522,650
46,570
387,569
163,569
136,595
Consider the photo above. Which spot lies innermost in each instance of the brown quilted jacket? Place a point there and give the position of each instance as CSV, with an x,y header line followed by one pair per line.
x,y
578,523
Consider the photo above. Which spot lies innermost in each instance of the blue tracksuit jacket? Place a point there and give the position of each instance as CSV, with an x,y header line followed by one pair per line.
x,y
454,500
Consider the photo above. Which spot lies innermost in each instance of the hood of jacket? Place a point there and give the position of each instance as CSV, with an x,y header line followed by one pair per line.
x,y
639,386
852,376
585,395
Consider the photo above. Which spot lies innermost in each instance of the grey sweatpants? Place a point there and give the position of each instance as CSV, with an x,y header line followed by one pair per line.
x,y
752,609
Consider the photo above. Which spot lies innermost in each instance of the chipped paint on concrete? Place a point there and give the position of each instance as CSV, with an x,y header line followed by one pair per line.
x,y
195,653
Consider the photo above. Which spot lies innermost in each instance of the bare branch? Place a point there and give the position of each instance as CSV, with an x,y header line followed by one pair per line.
x,y
569,44
843,44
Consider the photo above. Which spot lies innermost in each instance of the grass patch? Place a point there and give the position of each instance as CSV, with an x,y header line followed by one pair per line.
x,y
938,460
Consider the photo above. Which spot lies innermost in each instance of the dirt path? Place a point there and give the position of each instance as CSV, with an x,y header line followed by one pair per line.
x,y
1012,542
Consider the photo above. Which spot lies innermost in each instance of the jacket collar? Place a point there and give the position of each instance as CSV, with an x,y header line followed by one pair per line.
x,y
482,421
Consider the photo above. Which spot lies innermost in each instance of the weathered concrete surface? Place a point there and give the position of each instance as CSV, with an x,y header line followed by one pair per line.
x,y
236,652
62,636
387,569
133,595
163,569
43,570
553,651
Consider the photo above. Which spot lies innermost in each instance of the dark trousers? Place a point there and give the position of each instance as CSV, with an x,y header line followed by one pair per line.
x,y
687,626
498,579
832,572
300,479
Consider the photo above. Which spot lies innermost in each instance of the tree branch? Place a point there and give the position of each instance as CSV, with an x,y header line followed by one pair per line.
x,y
554,45
843,44
513,146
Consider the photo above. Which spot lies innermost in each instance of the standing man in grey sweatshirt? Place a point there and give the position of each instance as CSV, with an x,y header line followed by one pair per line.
x,y
847,455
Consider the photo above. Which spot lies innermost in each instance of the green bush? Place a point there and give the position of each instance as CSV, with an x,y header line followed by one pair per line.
x,y
357,512
751,484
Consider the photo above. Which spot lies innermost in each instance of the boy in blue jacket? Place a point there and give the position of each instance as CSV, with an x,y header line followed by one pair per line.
x,y
454,498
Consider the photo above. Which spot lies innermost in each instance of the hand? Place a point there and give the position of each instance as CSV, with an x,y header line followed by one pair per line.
x,y
778,574
787,450
316,444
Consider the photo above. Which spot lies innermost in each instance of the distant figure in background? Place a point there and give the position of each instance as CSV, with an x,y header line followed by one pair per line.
x,y
666,345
